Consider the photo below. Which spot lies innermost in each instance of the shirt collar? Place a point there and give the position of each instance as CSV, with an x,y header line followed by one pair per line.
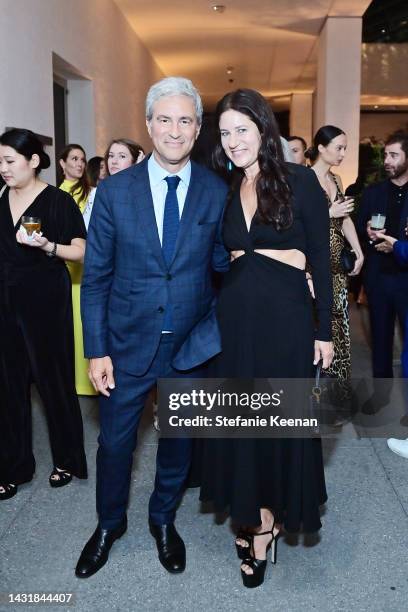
x,y
395,187
158,174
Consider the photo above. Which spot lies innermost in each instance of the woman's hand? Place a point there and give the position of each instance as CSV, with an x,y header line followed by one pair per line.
x,y
358,265
35,240
323,350
341,208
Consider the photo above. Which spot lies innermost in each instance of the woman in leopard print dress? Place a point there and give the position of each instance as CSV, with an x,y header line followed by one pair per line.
x,y
329,147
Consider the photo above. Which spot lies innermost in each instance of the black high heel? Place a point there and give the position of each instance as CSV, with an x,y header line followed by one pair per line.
x,y
9,490
258,566
63,478
243,552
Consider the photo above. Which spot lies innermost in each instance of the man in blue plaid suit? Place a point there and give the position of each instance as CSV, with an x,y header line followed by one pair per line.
x,y
148,309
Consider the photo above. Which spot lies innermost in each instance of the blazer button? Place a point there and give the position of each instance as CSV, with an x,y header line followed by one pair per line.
x,y
168,277
160,309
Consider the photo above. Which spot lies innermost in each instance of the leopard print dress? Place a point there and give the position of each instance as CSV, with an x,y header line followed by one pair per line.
x,y
340,368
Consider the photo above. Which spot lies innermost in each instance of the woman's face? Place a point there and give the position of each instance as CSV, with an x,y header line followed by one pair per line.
x,y
335,151
15,169
240,139
102,170
74,166
119,158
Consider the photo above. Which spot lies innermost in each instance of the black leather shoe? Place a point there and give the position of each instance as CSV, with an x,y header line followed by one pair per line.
x,y
96,551
170,546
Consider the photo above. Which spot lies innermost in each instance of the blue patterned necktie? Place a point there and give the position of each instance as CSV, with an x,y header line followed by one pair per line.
x,y
171,219
171,222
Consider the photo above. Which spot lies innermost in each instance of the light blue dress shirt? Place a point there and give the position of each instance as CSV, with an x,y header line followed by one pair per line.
x,y
158,187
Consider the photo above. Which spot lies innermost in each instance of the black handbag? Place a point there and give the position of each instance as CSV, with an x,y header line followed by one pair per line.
x,y
347,259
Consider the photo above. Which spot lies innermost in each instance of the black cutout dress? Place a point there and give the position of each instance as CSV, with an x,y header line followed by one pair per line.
x,y
265,315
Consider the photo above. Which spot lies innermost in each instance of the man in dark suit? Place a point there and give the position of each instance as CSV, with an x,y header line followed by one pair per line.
x,y
148,309
385,278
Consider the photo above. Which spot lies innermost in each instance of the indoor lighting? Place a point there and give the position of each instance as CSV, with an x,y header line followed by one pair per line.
x,y
219,8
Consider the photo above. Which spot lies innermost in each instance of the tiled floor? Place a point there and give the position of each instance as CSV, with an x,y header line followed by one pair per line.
x,y
360,562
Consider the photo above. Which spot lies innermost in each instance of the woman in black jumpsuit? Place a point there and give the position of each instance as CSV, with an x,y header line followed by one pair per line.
x,y
36,316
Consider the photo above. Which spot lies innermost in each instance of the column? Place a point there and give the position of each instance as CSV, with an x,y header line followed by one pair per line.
x,y
337,97
301,116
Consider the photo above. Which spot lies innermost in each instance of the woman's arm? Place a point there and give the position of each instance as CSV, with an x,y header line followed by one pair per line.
x,y
351,236
315,217
69,252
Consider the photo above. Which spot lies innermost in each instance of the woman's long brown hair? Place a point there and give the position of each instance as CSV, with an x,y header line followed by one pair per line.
x,y
272,187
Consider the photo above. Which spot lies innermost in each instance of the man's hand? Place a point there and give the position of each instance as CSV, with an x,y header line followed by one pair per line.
x,y
385,246
101,374
325,351
372,234
388,242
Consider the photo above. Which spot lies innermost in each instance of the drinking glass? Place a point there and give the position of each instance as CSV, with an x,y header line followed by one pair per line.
x,y
31,225
377,222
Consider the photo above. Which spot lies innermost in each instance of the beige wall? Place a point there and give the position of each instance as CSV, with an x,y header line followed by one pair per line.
x,y
95,39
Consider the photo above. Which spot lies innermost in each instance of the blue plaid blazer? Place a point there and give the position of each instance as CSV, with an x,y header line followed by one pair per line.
x,y
126,283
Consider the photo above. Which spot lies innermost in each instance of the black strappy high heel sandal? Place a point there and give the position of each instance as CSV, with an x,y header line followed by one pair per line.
x,y
9,490
243,552
63,479
258,566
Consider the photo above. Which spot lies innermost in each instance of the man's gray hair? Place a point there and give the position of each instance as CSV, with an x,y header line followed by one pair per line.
x,y
173,86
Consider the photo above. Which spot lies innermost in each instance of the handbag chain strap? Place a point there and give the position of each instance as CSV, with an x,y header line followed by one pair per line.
x,y
317,391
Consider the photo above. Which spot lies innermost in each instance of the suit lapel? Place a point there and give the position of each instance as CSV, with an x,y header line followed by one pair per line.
x,y
142,195
191,207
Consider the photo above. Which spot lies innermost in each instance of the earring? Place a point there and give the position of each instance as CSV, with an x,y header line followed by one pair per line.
x,y
229,165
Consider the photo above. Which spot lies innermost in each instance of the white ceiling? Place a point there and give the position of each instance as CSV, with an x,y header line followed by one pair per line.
x,y
270,43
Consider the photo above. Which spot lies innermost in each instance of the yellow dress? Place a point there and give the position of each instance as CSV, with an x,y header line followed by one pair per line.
x,y
82,382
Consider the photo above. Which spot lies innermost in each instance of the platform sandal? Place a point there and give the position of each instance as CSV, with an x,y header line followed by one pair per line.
x,y
9,490
63,478
243,552
258,566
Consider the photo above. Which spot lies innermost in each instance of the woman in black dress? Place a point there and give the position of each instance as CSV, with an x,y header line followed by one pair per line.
x,y
36,327
276,218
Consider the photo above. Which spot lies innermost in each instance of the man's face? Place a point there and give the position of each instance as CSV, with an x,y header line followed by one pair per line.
x,y
173,129
395,160
298,152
